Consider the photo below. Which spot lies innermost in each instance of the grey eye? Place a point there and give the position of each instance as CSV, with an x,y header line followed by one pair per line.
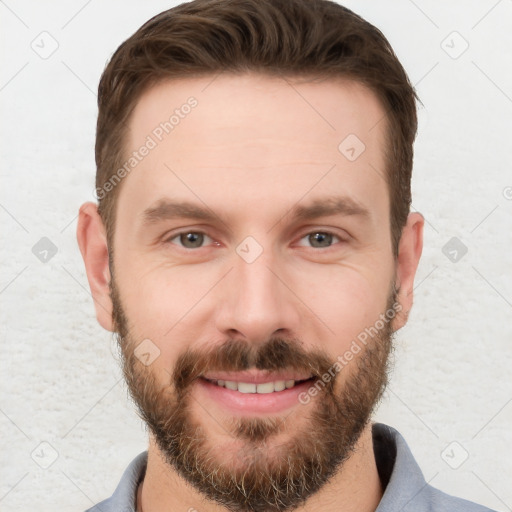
x,y
190,239
320,239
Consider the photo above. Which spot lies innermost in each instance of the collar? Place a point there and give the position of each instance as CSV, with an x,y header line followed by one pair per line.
x,y
405,487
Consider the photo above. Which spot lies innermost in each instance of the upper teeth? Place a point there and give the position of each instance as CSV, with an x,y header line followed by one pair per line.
x,y
249,387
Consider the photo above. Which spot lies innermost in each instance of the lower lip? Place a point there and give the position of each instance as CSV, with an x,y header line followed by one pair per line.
x,y
260,403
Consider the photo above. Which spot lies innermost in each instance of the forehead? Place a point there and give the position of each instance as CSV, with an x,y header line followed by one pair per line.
x,y
265,105
251,136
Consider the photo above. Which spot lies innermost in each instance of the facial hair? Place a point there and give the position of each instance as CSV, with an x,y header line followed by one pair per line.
x,y
258,477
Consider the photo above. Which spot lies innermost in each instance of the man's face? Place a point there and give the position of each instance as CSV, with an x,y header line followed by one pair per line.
x,y
288,263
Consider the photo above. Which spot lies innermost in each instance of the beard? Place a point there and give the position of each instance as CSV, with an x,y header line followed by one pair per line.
x,y
256,473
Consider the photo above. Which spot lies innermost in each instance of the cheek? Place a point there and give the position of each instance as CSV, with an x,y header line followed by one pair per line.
x,y
347,299
161,304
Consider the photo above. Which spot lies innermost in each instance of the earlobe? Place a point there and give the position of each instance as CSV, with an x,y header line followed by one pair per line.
x,y
409,253
92,241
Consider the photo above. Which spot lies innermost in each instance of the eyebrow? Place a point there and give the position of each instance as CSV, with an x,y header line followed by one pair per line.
x,y
329,206
166,209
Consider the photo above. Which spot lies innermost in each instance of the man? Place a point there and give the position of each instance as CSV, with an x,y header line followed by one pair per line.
x,y
254,252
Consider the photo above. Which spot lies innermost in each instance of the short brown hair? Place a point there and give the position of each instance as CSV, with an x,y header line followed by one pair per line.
x,y
309,38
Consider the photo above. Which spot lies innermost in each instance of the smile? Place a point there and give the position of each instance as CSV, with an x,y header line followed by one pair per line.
x,y
251,387
253,392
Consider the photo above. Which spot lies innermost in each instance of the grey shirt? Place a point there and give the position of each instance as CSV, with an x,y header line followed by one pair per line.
x,y
405,487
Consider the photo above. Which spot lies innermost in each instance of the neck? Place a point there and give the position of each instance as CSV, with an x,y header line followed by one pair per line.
x,y
355,487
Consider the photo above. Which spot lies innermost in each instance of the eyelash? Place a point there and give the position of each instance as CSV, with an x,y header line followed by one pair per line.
x,y
323,232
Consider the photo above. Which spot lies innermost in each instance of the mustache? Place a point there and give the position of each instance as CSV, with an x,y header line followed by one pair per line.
x,y
238,355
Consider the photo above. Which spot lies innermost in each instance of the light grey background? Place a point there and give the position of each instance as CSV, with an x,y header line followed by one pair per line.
x,y
450,393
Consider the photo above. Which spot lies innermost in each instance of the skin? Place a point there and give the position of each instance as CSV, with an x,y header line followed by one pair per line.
x,y
253,149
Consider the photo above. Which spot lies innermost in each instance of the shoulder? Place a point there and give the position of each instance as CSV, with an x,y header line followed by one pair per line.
x,y
124,497
442,502
405,487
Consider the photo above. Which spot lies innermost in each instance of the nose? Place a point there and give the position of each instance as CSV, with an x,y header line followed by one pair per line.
x,y
257,301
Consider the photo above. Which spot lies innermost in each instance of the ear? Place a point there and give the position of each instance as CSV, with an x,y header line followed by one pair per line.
x,y
409,252
92,240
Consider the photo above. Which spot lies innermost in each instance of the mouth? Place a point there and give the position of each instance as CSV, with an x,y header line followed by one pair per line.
x,y
261,388
254,392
